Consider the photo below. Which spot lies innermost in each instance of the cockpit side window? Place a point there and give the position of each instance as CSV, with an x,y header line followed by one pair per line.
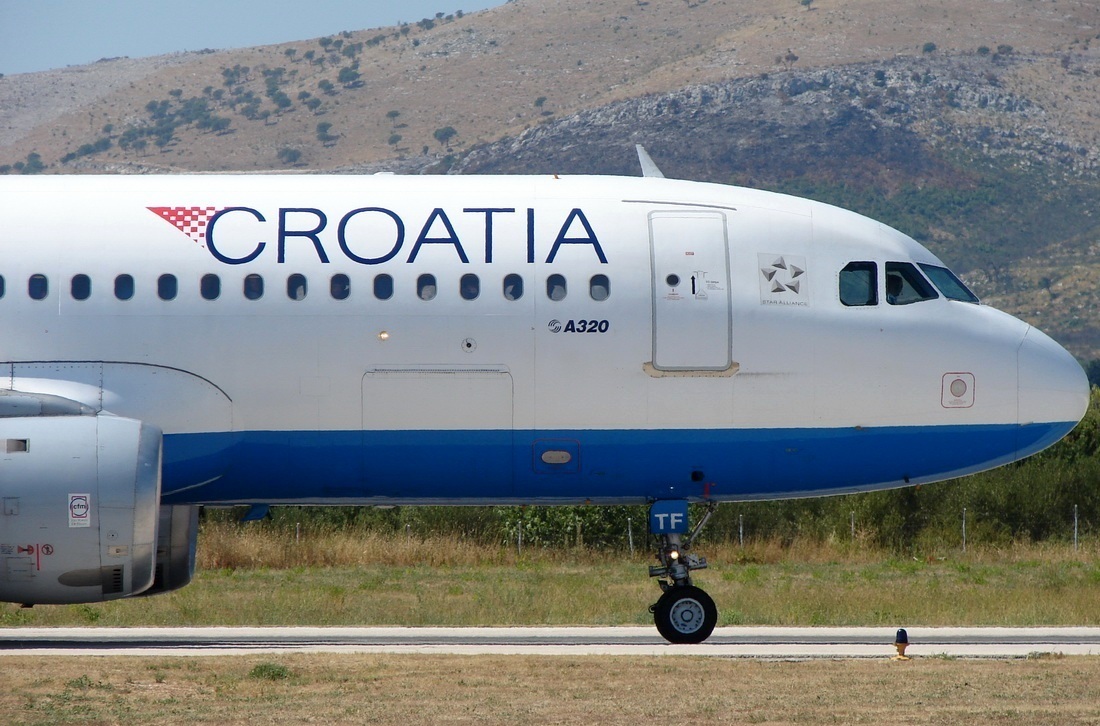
x,y
859,284
952,287
905,285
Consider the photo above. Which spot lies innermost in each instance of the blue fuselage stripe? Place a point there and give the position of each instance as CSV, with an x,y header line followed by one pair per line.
x,y
303,467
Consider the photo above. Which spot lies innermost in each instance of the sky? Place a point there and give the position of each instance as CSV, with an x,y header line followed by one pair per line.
x,y
37,35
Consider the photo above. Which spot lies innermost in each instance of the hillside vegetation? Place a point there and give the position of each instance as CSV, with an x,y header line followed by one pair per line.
x,y
492,74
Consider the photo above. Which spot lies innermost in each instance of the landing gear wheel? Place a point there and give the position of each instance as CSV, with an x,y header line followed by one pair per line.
x,y
685,614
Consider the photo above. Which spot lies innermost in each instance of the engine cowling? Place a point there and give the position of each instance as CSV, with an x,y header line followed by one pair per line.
x,y
177,538
80,492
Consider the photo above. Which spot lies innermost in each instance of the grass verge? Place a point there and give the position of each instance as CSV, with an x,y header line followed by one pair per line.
x,y
255,577
407,689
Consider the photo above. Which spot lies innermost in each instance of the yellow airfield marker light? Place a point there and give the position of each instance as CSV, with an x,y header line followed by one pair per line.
x,y
901,642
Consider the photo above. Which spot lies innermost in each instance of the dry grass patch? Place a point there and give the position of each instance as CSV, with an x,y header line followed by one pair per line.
x,y
391,689
255,576
229,546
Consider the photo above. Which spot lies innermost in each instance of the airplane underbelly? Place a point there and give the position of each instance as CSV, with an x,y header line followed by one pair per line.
x,y
602,467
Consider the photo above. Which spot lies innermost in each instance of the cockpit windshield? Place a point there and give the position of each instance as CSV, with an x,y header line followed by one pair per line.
x,y
859,284
952,287
905,285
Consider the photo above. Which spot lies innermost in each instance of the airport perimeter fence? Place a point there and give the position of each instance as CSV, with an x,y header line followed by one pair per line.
x,y
624,529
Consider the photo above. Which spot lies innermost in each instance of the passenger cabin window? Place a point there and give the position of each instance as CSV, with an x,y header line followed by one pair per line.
x,y
425,287
513,287
253,287
296,287
859,284
555,287
599,287
383,286
1,286
469,287
38,287
81,287
952,287
905,285
339,287
124,287
167,287
210,287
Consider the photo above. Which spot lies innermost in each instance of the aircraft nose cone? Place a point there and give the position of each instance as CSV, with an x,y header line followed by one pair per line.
x,y
1052,391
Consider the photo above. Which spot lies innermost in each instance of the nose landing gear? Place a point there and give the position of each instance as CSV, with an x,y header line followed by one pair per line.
x,y
684,613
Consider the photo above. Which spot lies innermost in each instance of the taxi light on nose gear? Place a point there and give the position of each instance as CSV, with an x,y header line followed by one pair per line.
x,y
674,555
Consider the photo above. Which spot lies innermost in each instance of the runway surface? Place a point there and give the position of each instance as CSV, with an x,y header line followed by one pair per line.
x,y
730,642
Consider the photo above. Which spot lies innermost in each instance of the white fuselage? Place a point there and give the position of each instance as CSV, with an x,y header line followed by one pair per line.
x,y
672,339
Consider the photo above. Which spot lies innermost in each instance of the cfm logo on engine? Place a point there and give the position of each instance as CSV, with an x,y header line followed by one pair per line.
x,y
374,235
80,510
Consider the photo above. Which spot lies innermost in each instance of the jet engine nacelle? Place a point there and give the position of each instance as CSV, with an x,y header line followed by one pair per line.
x,y
177,537
80,494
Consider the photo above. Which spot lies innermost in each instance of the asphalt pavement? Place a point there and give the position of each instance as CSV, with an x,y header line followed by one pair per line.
x,y
726,642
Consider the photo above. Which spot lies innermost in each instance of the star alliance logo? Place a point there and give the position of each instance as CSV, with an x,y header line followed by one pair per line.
x,y
783,280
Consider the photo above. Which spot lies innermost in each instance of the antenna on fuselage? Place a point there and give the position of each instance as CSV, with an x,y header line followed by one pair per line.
x,y
649,168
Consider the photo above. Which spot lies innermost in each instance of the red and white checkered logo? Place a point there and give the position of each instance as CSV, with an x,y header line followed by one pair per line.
x,y
189,220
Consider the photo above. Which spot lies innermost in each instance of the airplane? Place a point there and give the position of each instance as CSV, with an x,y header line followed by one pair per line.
x,y
173,342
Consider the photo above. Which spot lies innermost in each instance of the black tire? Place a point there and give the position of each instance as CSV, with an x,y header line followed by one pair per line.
x,y
685,615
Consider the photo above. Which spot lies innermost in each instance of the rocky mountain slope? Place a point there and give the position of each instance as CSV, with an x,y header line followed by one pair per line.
x,y
492,74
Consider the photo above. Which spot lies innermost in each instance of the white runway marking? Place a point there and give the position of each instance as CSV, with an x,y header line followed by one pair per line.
x,y
729,642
